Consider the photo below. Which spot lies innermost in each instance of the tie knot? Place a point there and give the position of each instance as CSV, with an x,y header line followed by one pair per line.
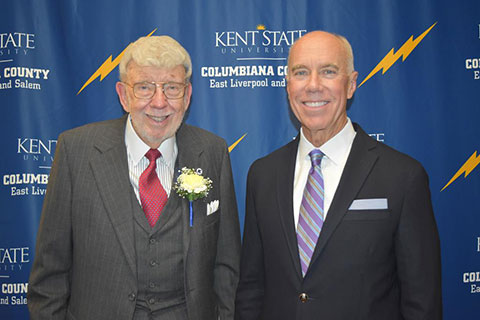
x,y
152,155
316,157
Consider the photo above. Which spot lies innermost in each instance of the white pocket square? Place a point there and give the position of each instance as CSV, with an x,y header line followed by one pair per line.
x,y
212,207
369,204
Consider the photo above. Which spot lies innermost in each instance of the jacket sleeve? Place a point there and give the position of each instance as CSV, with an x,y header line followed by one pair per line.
x,y
49,285
250,292
417,250
226,272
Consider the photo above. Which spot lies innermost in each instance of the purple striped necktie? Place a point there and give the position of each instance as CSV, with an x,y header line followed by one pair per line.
x,y
311,217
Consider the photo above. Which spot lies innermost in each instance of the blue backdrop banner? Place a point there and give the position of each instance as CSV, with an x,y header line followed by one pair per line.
x,y
419,80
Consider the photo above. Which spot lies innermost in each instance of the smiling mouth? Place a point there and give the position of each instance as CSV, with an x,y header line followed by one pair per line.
x,y
157,119
315,104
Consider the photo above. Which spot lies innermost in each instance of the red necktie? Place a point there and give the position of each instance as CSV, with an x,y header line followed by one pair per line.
x,y
152,194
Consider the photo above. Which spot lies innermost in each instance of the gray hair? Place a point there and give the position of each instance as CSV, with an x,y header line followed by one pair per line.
x,y
156,51
348,50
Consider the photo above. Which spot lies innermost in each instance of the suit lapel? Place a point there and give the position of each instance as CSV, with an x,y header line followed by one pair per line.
x,y
357,168
172,207
110,169
285,178
189,155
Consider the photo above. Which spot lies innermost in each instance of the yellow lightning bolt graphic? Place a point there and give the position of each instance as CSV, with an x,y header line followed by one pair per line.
x,y
392,57
107,67
467,167
235,143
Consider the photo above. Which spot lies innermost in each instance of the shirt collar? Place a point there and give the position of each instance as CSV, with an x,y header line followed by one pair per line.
x,y
136,148
334,149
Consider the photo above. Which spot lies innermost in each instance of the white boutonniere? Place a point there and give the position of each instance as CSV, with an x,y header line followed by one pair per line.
x,y
192,186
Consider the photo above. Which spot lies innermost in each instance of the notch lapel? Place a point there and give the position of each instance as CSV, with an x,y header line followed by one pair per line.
x,y
110,169
285,178
189,155
357,168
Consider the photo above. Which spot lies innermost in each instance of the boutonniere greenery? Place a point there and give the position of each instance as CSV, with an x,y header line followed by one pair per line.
x,y
192,185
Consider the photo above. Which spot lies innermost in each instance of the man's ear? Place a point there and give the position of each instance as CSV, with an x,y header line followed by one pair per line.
x,y
188,95
352,84
121,89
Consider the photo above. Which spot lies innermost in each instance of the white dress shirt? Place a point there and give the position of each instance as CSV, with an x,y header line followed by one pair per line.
x,y
137,162
336,151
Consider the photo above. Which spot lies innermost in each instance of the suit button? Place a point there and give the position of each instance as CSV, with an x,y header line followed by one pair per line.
x,y
153,263
303,297
151,301
132,296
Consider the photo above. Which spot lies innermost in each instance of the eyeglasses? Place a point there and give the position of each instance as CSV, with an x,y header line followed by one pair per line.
x,y
146,90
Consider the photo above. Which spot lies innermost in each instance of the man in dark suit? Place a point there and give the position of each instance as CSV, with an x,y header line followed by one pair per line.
x,y
338,225
115,240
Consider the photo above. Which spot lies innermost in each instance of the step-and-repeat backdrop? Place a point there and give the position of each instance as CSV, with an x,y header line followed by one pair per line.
x,y
419,86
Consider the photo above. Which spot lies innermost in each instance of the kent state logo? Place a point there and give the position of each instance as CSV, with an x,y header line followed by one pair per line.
x,y
260,40
13,259
15,43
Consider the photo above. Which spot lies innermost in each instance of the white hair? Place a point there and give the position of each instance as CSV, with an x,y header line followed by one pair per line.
x,y
157,51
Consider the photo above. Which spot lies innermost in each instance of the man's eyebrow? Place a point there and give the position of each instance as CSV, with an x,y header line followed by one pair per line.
x,y
330,65
298,66
302,66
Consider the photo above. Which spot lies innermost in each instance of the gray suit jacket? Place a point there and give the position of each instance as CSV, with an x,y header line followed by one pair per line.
x,y
85,264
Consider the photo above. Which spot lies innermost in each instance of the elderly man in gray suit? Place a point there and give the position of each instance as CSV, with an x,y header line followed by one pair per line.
x,y
116,239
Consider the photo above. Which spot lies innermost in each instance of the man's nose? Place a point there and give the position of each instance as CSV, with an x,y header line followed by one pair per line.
x,y
159,99
314,82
